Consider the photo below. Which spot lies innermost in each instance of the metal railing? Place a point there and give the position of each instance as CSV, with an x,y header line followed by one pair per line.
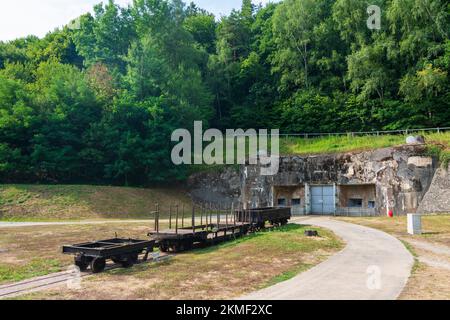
x,y
340,212
364,133
355,212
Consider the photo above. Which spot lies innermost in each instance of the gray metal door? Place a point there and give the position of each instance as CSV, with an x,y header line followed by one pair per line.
x,y
322,200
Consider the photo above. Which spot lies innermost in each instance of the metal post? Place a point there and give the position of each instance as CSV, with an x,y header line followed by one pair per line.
x,y
170,217
206,216
210,213
176,223
218,216
226,221
201,216
234,215
193,218
182,219
157,218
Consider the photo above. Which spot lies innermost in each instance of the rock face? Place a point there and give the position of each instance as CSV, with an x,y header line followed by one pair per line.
x,y
437,199
221,187
399,176
383,180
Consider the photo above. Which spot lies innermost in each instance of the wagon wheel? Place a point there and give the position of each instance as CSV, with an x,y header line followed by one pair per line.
x,y
128,262
98,265
164,247
81,263
135,257
178,247
189,245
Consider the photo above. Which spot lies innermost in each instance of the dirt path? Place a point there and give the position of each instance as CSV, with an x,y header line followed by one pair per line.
x,y
432,247
373,266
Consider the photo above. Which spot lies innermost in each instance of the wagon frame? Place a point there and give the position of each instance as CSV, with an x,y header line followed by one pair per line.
x,y
95,254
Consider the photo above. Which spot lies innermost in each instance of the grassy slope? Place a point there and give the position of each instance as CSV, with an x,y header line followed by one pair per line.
x,y
332,144
57,202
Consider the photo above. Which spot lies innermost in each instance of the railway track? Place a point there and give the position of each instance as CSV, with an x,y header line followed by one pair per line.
x,y
56,279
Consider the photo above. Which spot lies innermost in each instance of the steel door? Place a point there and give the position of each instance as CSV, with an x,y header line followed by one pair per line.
x,y
322,200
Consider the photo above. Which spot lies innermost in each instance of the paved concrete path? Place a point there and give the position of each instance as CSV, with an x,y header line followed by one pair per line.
x,y
352,273
65,223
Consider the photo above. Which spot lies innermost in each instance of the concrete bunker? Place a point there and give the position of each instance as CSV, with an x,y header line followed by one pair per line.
x,y
327,198
364,183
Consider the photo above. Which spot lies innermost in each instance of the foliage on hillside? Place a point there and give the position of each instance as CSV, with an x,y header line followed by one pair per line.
x,y
98,104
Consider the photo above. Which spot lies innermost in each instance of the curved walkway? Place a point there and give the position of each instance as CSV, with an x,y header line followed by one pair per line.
x,y
373,266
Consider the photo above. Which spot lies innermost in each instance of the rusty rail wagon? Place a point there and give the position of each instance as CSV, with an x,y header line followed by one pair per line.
x,y
216,225
209,224
258,217
121,251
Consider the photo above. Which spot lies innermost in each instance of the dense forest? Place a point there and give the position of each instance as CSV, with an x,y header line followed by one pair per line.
x,y
97,100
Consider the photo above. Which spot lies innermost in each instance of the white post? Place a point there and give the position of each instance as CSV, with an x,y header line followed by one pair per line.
x,y
414,224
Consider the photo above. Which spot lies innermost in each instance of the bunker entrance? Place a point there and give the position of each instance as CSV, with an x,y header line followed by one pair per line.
x,y
357,199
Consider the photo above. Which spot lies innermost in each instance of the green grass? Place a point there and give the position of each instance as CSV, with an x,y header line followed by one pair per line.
x,y
285,276
338,144
36,268
411,250
75,202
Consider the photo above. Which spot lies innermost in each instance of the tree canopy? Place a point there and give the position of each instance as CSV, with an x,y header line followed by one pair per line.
x,y
98,102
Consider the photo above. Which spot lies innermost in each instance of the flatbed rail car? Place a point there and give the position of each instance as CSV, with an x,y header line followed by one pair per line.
x,y
258,217
184,239
216,225
95,254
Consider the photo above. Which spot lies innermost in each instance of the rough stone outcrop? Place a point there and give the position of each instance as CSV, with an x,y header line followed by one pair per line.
x,y
222,186
401,176
437,198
